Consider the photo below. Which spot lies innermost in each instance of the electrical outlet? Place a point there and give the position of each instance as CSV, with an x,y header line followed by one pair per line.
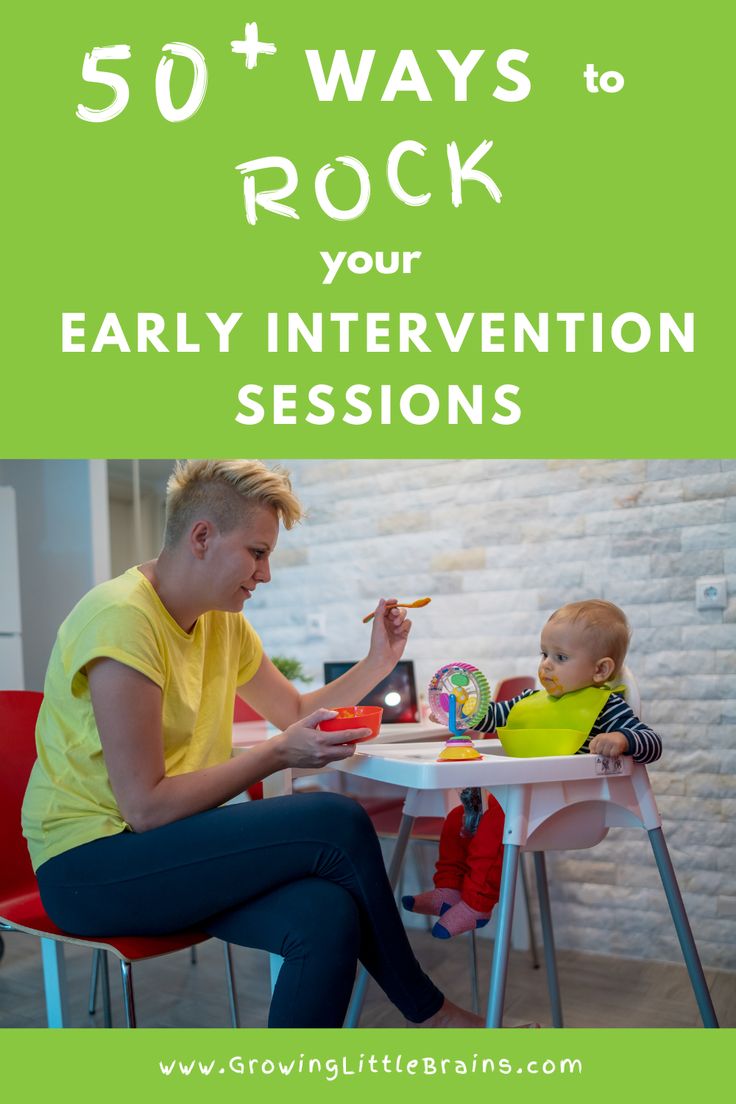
x,y
316,625
711,592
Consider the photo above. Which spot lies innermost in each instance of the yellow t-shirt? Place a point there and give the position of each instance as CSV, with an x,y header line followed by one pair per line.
x,y
69,800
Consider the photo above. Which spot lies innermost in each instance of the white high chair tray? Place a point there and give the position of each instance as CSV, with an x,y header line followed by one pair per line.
x,y
415,766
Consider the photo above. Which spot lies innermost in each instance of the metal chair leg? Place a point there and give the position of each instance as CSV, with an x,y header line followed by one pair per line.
x,y
126,972
91,1007
101,972
54,983
528,906
500,964
193,955
473,946
231,993
682,927
361,985
550,959
105,980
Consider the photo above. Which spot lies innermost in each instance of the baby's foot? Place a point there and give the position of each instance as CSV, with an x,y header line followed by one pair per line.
x,y
432,903
460,918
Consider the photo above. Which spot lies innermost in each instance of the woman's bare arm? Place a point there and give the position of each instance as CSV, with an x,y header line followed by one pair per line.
x,y
128,708
280,702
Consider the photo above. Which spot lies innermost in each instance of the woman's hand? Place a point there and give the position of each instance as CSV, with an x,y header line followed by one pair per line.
x,y
390,630
304,745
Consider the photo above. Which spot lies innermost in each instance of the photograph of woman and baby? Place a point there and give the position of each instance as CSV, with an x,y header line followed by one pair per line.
x,y
126,812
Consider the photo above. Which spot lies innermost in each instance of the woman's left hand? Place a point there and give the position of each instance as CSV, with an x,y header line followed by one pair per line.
x,y
390,630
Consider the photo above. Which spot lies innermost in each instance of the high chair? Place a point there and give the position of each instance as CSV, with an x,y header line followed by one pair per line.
x,y
385,814
20,902
551,803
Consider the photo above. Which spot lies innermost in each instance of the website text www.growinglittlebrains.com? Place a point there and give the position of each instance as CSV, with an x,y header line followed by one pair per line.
x,y
340,1066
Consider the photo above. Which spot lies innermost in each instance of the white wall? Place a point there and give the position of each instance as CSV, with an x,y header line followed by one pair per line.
x,y
122,533
498,545
126,550
62,546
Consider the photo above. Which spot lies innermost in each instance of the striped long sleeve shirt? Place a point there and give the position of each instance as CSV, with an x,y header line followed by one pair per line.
x,y
616,716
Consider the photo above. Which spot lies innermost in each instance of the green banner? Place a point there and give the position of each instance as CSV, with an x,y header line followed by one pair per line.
x,y
294,230
179,1065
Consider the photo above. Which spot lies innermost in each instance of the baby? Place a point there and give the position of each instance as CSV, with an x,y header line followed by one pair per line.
x,y
583,648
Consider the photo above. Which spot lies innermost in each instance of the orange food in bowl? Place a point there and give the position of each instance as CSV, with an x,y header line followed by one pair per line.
x,y
354,716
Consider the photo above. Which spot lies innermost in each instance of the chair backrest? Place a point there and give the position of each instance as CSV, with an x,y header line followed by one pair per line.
x,y
18,714
509,688
244,712
587,823
631,694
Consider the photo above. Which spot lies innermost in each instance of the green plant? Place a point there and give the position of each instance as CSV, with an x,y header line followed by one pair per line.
x,y
290,668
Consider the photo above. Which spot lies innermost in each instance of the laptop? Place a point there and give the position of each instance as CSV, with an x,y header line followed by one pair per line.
x,y
397,694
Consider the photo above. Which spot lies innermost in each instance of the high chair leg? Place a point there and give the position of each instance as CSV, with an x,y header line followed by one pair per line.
x,y
550,959
682,927
500,963
528,904
473,946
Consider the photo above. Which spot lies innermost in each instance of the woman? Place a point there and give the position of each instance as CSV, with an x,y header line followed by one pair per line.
x,y
124,810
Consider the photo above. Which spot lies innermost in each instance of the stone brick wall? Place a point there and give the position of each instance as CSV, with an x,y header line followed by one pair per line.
x,y
500,544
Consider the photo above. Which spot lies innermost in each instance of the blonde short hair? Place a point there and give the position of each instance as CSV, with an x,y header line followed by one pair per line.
x,y
223,491
604,627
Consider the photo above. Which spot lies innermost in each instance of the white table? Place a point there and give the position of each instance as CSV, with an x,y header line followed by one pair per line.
x,y
247,733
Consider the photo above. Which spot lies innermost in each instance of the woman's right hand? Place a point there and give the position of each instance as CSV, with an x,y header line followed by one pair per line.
x,y
305,745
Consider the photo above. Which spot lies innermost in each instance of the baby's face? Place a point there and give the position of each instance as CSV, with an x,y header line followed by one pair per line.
x,y
567,662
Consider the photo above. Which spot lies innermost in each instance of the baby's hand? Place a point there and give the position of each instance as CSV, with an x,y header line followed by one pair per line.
x,y
609,743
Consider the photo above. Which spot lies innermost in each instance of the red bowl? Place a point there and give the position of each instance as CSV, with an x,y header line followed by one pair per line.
x,y
354,716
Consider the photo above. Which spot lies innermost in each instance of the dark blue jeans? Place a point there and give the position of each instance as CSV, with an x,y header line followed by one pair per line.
x,y
302,876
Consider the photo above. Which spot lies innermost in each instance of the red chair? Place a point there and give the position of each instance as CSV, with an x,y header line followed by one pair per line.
x,y
244,712
20,901
511,687
241,712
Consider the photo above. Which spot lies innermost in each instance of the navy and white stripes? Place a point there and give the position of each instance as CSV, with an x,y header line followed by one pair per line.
x,y
616,716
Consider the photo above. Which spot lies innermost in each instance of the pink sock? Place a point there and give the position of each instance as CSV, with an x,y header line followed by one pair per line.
x,y
431,903
460,918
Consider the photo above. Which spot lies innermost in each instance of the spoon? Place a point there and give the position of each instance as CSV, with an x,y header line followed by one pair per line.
x,y
404,605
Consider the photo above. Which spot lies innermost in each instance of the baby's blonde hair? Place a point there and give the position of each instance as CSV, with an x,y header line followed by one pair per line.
x,y
604,627
223,491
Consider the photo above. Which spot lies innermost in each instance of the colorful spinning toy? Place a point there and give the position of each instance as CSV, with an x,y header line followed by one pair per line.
x,y
459,695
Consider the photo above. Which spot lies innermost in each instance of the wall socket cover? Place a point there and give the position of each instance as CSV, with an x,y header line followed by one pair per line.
x,y
711,592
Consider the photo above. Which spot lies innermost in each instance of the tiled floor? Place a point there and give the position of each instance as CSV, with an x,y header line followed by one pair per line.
x,y
597,991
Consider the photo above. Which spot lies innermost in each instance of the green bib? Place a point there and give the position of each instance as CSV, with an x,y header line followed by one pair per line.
x,y
577,710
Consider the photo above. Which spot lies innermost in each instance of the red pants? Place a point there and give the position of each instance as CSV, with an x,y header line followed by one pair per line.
x,y
472,864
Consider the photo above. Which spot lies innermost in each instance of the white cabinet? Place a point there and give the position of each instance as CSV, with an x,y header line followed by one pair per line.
x,y
11,651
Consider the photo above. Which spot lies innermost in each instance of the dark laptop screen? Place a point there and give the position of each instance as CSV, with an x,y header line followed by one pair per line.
x,y
397,694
